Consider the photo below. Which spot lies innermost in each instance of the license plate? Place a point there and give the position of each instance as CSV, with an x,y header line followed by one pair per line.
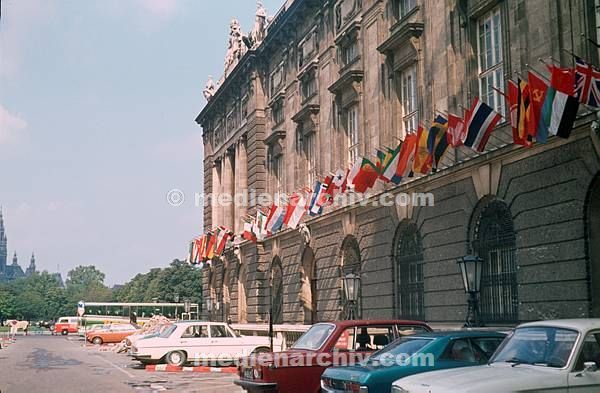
x,y
248,373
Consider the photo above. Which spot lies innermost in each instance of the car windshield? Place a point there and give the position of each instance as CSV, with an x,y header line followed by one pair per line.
x,y
168,331
315,337
405,346
539,346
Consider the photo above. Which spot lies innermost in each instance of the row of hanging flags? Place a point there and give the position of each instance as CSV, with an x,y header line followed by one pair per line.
x,y
539,107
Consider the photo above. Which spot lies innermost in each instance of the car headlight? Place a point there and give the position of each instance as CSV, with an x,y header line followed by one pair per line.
x,y
257,373
398,389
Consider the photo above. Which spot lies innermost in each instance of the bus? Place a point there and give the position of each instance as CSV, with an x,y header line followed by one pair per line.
x,y
109,312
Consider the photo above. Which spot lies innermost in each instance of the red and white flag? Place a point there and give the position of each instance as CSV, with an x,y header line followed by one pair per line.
x,y
456,133
296,209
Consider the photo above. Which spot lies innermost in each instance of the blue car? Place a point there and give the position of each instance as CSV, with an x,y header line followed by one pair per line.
x,y
410,355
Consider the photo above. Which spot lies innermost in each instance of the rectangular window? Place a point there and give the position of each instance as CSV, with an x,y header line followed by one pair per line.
x,y
490,59
352,132
308,87
277,113
350,53
405,6
408,79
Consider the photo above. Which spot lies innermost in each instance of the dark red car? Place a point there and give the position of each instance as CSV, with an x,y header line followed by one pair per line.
x,y
299,369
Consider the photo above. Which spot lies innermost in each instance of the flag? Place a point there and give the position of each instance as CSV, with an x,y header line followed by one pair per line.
x,y
295,210
558,114
481,123
326,189
537,91
248,233
275,219
339,181
260,224
437,143
353,172
587,83
422,162
366,176
563,79
389,171
209,248
456,128
524,113
222,238
406,158
514,96
314,208
200,246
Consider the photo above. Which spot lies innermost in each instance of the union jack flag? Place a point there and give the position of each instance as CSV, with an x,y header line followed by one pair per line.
x,y
587,83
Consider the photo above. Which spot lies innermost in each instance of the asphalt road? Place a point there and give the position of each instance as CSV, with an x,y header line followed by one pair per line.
x,y
55,364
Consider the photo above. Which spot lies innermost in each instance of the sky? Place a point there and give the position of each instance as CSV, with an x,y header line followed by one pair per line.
x,y
97,106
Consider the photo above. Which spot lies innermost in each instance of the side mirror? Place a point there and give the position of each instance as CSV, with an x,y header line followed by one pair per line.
x,y
590,367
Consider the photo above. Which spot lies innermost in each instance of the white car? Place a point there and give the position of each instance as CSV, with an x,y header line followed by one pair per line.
x,y
197,341
557,356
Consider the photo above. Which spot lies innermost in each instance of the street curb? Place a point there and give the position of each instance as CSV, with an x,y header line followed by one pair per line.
x,y
197,369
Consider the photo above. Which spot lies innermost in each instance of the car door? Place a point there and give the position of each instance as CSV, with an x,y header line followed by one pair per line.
x,y
581,380
223,344
195,341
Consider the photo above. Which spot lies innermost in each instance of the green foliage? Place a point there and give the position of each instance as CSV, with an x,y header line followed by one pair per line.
x,y
162,284
40,297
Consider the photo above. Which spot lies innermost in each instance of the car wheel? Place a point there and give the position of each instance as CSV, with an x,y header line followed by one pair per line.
x,y
176,358
97,340
261,350
64,332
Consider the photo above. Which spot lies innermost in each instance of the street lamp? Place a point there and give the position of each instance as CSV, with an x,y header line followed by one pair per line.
x,y
470,268
351,290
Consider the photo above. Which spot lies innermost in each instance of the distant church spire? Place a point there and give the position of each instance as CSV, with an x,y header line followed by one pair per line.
x,y
15,259
31,269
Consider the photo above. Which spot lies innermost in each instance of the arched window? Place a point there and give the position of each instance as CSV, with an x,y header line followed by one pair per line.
x,y
308,290
351,263
277,291
408,258
494,241
593,241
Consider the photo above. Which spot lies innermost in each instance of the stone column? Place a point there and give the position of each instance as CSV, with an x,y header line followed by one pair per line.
x,y
227,187
216,190
242,183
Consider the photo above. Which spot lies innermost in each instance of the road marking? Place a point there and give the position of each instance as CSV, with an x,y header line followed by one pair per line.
x,y
130,375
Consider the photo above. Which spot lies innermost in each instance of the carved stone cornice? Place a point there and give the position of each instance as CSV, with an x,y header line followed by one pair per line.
x,y
274,137
400,35
308,118
350,78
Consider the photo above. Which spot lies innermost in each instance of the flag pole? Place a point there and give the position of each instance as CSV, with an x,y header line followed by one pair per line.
x,y
597,45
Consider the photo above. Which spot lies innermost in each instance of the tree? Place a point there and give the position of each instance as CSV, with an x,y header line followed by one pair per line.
x,y
85,276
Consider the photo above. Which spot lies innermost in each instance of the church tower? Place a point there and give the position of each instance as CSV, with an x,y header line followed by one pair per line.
x,y
3,245
31,269
15,260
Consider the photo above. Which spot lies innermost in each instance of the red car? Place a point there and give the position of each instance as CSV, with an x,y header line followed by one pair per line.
x,y
299,369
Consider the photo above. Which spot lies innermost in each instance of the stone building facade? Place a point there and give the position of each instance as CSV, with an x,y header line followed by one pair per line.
x,y
324,82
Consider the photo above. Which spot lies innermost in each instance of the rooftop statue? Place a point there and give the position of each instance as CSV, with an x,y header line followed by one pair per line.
x,y
235,47
259,31
209,89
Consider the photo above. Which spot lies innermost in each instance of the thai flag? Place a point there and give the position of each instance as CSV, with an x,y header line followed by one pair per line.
x,y
482,121
587,83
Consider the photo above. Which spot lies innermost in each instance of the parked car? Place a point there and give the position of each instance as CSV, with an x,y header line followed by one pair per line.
x,y
66,325
299,369
84,330
199,341
410,355
113,333
557,356
155,331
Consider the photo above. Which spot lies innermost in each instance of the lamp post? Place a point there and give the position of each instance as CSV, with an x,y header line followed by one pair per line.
x,y
351,290
176,300
186,306
470,268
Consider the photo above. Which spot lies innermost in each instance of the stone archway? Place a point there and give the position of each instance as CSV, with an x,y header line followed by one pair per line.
x,y
308,289
592,226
